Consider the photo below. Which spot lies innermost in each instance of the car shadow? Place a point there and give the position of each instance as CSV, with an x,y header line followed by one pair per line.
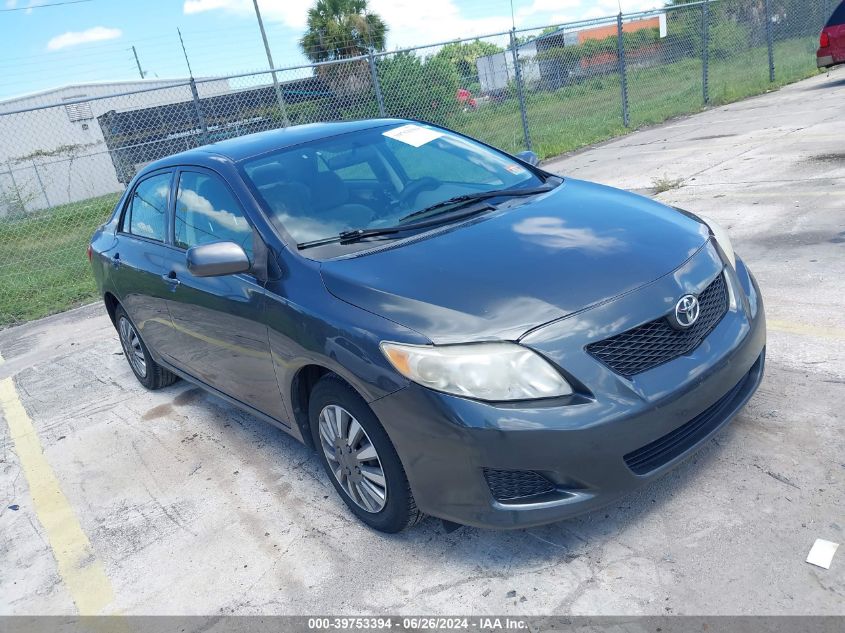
x,y
837,82
493,551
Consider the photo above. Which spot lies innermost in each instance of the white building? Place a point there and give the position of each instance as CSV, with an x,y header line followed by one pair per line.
x,y
52,149
496,71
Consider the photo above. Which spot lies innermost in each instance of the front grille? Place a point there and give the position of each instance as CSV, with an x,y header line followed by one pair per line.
x,y
663,450
656,342
508,485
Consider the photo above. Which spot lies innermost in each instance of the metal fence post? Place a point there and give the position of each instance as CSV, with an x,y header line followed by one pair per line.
x,y
21,203
198,110
705,50
519,90
41,183
623,71
374,74
770,40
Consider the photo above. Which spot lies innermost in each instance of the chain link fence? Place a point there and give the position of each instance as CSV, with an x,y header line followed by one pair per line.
x,y
66,156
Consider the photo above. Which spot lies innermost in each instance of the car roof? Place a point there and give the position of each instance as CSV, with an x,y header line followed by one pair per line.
x,y
244,147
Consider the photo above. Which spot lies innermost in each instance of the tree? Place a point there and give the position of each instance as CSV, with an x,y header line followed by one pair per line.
x,y
462,55
337,29
524,39
416,88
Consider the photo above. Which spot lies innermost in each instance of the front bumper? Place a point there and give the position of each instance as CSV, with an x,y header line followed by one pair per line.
x,y
581,443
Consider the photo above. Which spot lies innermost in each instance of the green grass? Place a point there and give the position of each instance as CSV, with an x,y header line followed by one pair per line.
x,y
43,267
587,113
43,263
665,183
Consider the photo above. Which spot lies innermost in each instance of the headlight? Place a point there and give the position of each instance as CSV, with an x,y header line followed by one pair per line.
x,y
722,238
486,371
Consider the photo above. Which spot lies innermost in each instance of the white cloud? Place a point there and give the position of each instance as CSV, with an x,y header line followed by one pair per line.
x,y
75,38
416,22
547,6
199,6
410,22
291,13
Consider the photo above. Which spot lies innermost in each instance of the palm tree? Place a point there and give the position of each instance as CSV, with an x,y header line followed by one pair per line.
x,y
342,28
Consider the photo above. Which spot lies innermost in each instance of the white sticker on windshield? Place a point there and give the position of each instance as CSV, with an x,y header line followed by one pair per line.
x,y
413,135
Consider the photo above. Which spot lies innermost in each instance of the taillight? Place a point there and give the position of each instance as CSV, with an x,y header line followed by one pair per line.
x,y
824,41
90,253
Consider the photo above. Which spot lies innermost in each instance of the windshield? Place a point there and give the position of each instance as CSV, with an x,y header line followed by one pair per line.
x,y
375,178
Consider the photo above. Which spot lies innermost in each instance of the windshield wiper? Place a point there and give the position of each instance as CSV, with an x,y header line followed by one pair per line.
x,y
356,235
459,201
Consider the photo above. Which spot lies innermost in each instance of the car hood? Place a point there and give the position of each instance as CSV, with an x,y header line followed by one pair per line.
x,y
515,269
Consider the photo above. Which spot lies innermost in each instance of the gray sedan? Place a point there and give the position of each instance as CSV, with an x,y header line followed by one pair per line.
x,y
454,330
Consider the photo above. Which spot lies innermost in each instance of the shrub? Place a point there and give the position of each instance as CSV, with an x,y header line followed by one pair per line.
x,y
417,88
727,37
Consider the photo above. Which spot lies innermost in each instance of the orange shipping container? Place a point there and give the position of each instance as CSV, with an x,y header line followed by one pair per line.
x,y
603,32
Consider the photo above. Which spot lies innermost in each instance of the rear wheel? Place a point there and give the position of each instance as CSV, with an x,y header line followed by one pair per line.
x,y
148,372
359,458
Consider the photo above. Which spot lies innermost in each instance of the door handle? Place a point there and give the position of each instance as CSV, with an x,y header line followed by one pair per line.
x,y
171,279
115,260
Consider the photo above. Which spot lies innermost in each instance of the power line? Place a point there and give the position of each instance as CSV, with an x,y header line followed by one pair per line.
x,y
44,6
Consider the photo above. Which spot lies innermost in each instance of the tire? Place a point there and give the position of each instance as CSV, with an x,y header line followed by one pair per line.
x,y
148,372
376,457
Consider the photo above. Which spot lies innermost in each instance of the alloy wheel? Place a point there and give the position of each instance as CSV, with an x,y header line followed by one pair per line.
x,y
132,347
353,458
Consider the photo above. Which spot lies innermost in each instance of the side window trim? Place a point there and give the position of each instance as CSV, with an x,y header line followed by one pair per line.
x,y
174,191
125,212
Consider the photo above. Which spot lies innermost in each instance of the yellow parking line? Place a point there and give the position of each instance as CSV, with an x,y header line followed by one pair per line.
x,y
834,333
81,571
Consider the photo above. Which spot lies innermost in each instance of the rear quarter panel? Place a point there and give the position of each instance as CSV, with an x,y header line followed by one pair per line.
x,y
837,42
102,243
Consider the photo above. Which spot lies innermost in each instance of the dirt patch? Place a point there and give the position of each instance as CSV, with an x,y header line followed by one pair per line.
x,y
712,137
159,411
830,158
800,239
188,396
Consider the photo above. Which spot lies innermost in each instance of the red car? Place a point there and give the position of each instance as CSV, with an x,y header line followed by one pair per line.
x,y
832,42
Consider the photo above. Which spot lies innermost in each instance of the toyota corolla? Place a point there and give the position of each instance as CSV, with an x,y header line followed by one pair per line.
x,y
456,331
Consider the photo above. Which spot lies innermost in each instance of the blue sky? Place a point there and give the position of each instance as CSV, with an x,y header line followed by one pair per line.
x,y
91,41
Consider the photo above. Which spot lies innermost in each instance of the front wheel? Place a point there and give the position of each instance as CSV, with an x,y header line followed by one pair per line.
x,y
359,458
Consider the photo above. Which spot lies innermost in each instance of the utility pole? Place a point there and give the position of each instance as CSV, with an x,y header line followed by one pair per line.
x,y
185,53
195,95
135,53
279,97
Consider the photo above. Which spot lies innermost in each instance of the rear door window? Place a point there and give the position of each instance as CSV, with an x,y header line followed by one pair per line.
x,y
146,215
838,16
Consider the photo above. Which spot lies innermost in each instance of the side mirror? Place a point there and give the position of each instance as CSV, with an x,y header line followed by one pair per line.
x,y
529,157
216,260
